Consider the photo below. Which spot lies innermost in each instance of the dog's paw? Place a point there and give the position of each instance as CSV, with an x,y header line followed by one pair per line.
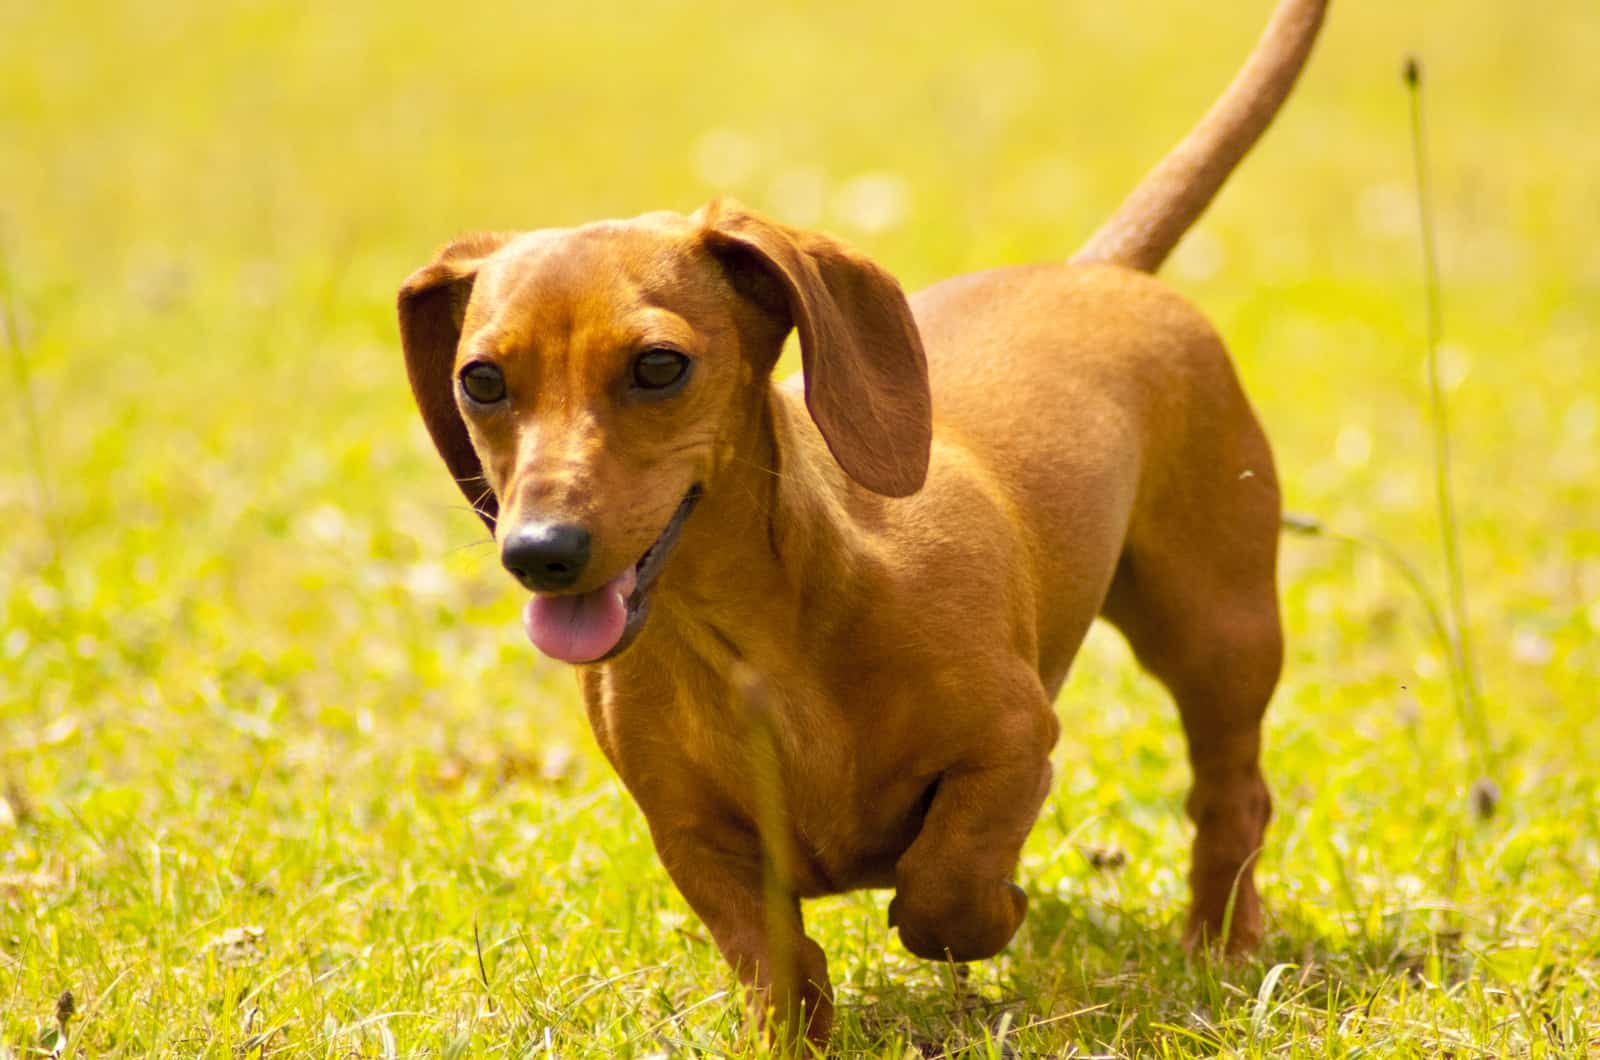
x,y
960,925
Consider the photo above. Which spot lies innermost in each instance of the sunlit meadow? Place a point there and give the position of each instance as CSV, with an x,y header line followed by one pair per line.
x,y
279,775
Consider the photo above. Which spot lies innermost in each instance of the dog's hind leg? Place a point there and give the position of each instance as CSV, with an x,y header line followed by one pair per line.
x,y
1196,598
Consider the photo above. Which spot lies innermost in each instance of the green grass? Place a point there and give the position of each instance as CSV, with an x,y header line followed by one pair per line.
x,y
280,775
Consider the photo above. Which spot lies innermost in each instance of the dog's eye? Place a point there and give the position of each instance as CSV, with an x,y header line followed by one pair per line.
x,y
483,383
660,370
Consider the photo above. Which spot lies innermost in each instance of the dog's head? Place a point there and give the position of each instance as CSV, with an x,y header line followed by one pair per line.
x,y
586,386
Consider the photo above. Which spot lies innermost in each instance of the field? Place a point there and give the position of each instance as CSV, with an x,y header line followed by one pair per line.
x,y
279,775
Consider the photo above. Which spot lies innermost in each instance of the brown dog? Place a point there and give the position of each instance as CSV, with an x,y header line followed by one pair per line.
x,y
908,554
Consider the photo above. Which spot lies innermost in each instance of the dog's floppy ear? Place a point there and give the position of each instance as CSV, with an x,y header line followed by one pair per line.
x,y
866,376
432,303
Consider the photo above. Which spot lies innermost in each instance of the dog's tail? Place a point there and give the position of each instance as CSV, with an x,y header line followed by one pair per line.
x,y
1172,196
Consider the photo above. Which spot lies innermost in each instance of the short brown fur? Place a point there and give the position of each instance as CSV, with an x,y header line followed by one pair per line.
x,y
907,553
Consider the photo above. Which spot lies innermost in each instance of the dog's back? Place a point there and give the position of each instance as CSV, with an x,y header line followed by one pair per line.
x,y
1098,398
1094,392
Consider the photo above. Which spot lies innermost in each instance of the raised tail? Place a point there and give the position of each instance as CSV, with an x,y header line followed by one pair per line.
x,y
1176,192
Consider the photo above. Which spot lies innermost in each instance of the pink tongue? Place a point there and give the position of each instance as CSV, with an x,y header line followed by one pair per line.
x,y
580,628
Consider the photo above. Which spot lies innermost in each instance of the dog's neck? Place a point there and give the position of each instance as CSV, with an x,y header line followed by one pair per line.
x,y
772,532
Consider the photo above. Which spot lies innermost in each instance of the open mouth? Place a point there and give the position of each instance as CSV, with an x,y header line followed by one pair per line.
x,y
594,626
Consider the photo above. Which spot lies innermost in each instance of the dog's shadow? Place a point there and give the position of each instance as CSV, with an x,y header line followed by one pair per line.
x,y
1087,974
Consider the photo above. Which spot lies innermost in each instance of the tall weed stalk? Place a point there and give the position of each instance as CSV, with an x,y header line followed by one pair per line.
x,y
1447,618
1463,668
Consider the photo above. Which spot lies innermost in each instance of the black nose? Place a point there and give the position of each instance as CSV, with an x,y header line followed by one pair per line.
x,y
546,556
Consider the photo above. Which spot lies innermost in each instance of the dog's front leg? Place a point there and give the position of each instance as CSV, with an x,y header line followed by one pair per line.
x,y
954,898
755,923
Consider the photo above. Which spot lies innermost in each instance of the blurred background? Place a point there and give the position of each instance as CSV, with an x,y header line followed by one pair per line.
x,y
242,607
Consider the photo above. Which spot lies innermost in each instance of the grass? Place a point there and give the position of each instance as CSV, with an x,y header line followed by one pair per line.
x,y
279,775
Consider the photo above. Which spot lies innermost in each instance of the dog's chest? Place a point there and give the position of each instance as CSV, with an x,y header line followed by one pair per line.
x,y
790,769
